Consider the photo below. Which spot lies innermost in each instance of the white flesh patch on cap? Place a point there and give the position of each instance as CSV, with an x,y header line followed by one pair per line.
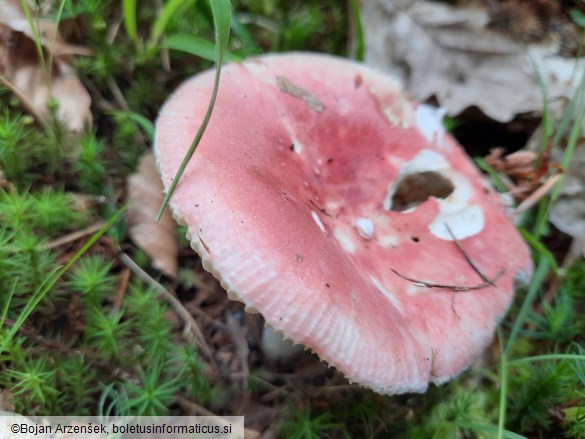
x,y
297,146
384,234
344,240
400,112
464,219
430,122
365,227
425,160
414,289
459,198
391,298
464,223
389,241
333,207
318,220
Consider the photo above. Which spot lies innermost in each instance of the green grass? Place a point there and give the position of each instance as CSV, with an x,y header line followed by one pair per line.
x,y
72,333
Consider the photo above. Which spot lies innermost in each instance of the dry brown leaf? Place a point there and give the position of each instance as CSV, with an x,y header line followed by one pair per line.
x,y
13,17
568,213
22,71
449,52
157,239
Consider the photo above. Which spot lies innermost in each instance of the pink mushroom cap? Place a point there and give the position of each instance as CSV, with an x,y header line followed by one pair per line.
x,y
323,198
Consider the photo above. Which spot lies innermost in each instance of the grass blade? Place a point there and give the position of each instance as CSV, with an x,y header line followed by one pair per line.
x,y
575,112
494,176
129,10
144,123
503,406
491,429
358,29
547,116
537,279
221,10
36,36
7,304
170,8
196,46
540,248
54,41
241,31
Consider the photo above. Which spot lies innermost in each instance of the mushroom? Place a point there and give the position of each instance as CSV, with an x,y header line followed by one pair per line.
x,y
323,198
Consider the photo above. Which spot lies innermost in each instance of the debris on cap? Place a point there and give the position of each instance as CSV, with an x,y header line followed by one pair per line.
x,y
323,198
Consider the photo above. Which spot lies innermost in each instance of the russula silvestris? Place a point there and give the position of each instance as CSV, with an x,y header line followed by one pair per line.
x,y
324,199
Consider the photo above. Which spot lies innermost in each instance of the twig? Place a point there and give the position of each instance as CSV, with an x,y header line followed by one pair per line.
x,y
258,378
487,281
74,236
467,257
537,195
191,326
197,410
242,349
114,29
124,278
193,308
485,284
277,394
100,101
26,102
117,94
320,209
193,408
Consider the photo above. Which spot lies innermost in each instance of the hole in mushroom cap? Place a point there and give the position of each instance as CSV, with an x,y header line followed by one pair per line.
x,y
418,187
